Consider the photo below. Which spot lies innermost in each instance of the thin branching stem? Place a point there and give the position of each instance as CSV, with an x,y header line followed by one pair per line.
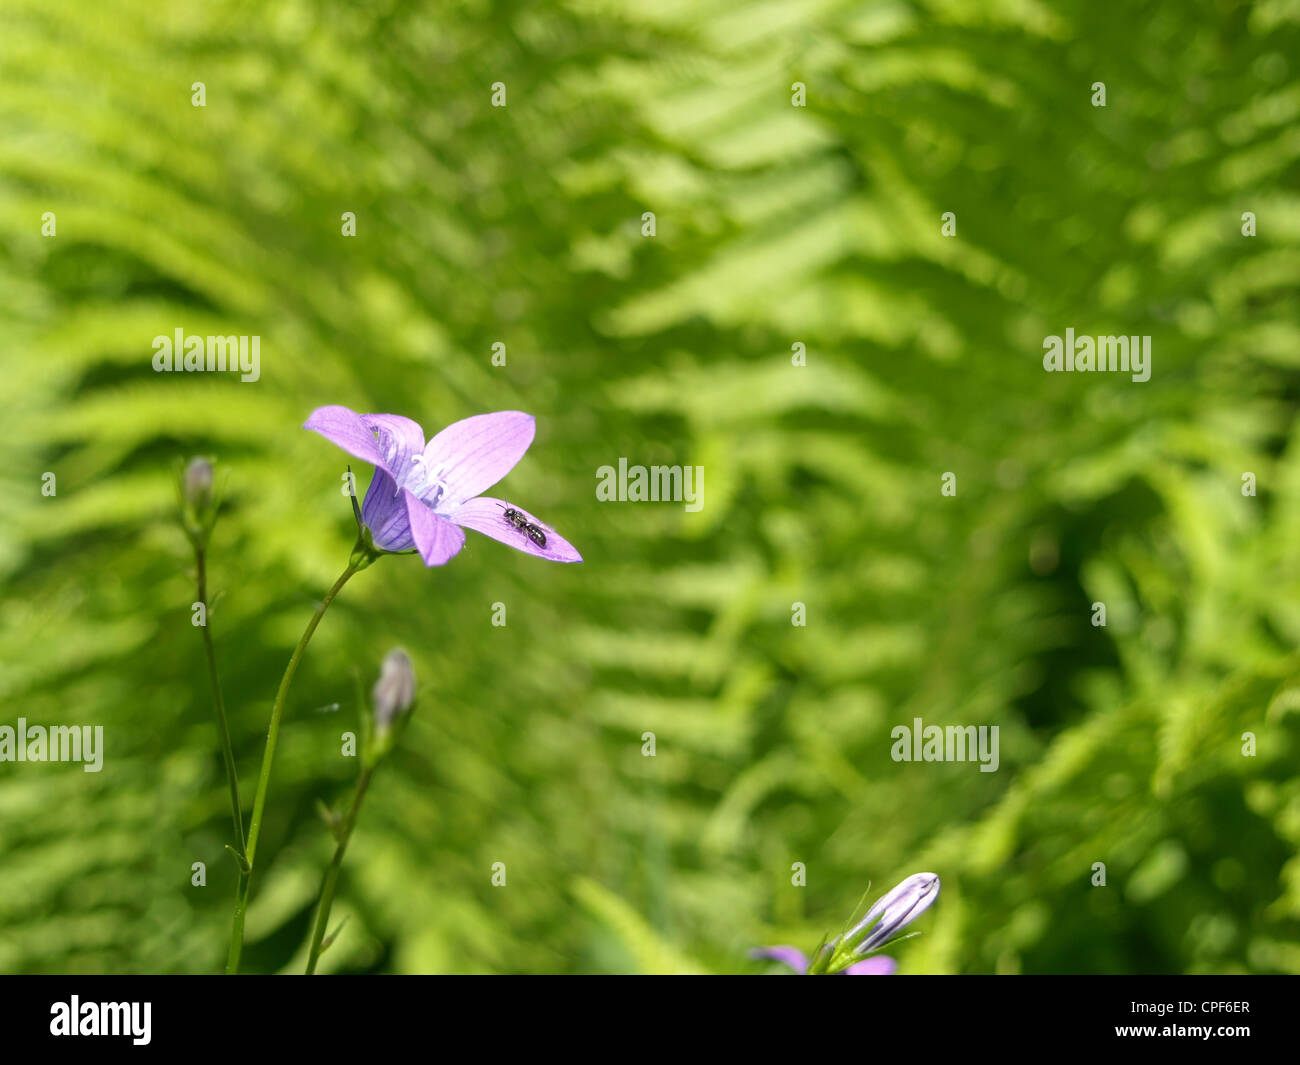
x,y
268,758
330,881
218,703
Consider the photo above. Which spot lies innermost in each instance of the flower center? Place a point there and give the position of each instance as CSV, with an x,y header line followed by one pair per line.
x,y
425,484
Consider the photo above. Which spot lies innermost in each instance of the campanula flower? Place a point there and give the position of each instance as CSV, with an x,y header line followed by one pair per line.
x,y
798,961
424,495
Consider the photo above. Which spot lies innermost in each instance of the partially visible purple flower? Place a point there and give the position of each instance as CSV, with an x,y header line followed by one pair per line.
x,y
791,956
894,911
423,495
880,965
798,961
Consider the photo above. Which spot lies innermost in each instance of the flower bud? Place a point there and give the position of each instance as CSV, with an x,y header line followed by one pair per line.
x,y
197,501
394,691
198,483
894,911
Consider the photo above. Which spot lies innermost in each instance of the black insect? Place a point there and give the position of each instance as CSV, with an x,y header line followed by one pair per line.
x,y
515,518
521,522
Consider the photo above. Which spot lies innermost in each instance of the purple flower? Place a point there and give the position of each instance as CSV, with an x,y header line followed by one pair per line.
x,y
423,495
798,961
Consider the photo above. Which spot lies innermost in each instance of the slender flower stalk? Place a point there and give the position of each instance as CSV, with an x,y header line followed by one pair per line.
x,y
198,508
362,556
219,704
330,882
394,696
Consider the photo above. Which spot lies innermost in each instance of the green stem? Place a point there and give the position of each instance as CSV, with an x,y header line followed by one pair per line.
x,y
237,924
357,562
331,879
219,704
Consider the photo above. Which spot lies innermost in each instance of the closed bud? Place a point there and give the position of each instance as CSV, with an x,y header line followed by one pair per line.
x,y
198,483
198,505
894,911
394,691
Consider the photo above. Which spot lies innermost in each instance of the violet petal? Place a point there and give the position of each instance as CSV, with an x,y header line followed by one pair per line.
x,y
437,539
880,965
791,956
488,516
348,430
384,513
400,440
471,455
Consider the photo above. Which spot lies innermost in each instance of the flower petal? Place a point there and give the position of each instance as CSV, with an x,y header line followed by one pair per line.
x,y
471,455
877,966
796,959
436,538
384,513
400,440
348,430
488,516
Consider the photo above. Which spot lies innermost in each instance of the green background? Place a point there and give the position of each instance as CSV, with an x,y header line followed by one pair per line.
x,y
775,225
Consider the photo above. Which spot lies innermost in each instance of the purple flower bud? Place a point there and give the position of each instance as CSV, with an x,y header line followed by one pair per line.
x,y
394,691
198,483
894,911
